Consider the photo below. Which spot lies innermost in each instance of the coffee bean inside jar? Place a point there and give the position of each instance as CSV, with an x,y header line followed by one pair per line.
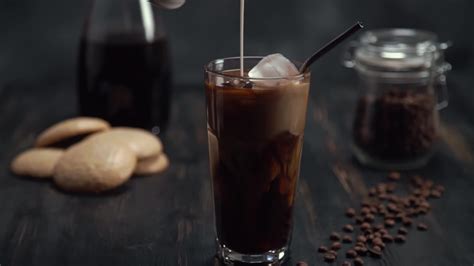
x,y
396,118
396,125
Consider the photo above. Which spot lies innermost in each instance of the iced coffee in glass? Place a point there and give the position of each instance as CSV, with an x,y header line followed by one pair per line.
x,y
255,125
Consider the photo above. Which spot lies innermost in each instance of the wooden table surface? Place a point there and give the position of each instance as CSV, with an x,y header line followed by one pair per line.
x,y
167,219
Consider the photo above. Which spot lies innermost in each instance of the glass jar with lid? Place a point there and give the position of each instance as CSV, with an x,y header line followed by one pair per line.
x,y
402,84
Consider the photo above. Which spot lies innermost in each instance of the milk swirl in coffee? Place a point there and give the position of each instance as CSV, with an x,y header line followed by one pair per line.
x,y
255,143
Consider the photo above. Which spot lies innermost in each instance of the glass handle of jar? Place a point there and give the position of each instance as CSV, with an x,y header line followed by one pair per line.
x,y
442,87
348,56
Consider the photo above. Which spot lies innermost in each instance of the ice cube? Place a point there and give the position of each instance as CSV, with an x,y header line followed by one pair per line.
x,y
274,66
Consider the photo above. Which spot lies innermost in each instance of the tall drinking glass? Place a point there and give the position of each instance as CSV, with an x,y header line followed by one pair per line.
x,y
255,132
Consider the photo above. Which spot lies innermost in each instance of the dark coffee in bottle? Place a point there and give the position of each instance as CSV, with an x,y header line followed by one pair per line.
x,y
255,144
125,80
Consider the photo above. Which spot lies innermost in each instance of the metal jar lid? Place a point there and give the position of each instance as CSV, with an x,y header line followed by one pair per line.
x,y
397,53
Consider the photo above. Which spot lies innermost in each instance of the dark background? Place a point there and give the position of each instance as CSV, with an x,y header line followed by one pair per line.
x,y
39,39
38,52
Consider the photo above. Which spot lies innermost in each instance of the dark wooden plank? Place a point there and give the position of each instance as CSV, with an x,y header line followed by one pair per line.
x,y
167,220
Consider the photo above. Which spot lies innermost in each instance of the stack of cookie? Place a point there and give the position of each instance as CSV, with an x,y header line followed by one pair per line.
x,y
85,154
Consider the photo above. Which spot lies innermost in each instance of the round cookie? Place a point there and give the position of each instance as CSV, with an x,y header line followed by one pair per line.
x,y
140,141
70,128
38,162
153,165
94,166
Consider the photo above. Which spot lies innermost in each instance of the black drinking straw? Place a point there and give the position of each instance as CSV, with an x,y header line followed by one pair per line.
x,y
329,46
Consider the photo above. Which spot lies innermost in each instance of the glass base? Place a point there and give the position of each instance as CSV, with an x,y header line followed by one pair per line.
x,y
229,257
401,165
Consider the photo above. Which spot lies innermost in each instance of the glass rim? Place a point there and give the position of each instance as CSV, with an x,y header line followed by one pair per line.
x,y
219,73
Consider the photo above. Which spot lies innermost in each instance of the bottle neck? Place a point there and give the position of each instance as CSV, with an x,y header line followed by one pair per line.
x,y
134,19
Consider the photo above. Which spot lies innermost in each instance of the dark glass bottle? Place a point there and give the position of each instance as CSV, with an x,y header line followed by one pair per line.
x,y
124,65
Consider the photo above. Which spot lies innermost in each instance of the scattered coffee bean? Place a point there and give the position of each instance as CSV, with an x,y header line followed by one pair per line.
x,y
373,209
377,241
362,239
365,203
328,257
362,251
383,196
417,180
440,188
394,176
347,239
391,187
394,199
400,238
425,193
425,205
346,263
386,238
365,210
380,188
406,203
358,262
378,227
301,263
335,236
351,254
375,252
392,207
369,218
348,228
422,210
336,246
369,237
381,245
372,192
422,227
389,222
435,194
417,192
402,231
412,213
407,221
428,183
350,212
322,249
399,217
365,226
